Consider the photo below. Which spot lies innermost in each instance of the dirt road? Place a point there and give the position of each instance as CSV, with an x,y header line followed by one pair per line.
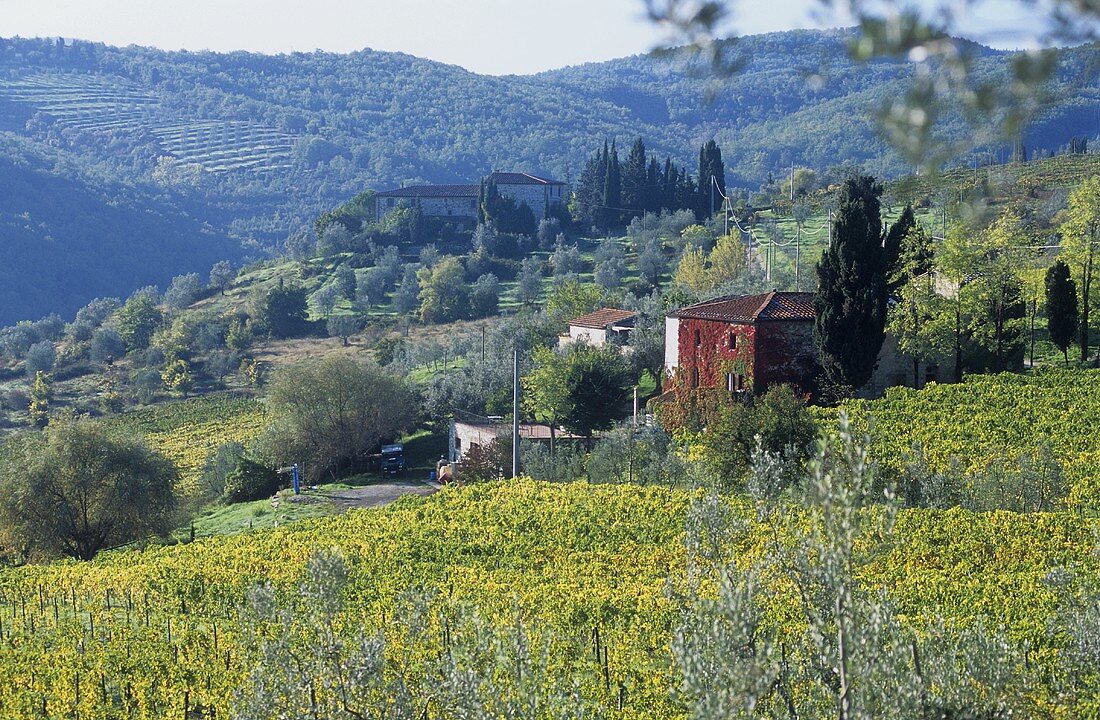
x,y
379,494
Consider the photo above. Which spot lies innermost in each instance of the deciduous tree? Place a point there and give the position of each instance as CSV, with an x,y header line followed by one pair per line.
x,y
82,489
329,415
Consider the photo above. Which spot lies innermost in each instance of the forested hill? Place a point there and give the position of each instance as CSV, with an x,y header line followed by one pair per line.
x,y
67,236
253,145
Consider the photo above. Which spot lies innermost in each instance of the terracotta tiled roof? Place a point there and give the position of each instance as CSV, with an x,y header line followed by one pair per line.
x,y
752,308
420,191
602,318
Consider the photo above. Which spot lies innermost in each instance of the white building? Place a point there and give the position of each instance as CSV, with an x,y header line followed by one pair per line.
x,y
604,326
460,201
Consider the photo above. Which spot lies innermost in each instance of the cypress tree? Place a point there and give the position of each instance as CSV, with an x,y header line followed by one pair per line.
x,y
668,186
634,178
851,299
588,197
892,245
653,181
710,166
612,189
1062,315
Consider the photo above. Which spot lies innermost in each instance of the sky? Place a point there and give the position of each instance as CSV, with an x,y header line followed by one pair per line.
x,y
486,36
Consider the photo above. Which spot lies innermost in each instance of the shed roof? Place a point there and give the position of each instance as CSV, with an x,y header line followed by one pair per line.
x,y
772,305
602,318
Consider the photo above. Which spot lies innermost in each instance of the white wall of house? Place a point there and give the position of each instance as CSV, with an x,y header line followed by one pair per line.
x,y
593,336
672,344
466,435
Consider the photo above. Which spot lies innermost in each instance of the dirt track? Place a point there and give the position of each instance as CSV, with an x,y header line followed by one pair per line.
x,y
379,494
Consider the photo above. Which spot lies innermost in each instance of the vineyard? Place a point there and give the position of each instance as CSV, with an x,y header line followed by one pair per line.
x,y
186,431
96,104
157,632
990,418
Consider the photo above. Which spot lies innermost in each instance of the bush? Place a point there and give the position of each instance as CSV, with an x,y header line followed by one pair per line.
x,y
41,357
776,423
283,310
107,346
250,480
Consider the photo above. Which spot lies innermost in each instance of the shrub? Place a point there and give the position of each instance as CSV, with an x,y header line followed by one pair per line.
x,y
250,480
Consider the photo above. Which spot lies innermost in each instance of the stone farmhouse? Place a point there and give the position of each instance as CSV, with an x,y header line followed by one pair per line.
x,y
750,343
459,202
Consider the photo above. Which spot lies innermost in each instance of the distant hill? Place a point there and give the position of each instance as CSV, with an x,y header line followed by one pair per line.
x,y
251,146
67,237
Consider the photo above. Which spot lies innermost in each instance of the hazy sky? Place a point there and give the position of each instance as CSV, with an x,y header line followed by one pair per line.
x,y
487,36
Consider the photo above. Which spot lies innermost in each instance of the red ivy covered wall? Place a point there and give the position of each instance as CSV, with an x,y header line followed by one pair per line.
x,y
704,346
766,354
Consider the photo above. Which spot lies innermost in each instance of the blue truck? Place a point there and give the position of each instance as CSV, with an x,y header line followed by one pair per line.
x,y
393,459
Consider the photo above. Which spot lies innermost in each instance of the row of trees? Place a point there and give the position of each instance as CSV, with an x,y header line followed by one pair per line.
x,y
976,295
610,192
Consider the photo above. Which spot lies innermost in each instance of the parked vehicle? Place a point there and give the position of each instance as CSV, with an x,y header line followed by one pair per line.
x,y
393,459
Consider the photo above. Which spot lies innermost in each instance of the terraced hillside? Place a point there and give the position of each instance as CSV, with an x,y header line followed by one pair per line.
x,y
89,103
258,146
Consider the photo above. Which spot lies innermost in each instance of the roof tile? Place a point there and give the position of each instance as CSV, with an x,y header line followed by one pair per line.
x,y
601,318
773,305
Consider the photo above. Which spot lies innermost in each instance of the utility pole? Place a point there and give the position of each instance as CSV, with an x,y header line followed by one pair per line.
x,y
713,184
792,182
515,413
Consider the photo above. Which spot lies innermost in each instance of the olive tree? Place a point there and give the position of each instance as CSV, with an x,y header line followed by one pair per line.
x,y
844,653
315,658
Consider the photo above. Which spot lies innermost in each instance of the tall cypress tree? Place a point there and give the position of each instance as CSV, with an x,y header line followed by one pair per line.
x,y
710,166
653,186
668,186
1062,314
851,299
588,197
634,178
612,189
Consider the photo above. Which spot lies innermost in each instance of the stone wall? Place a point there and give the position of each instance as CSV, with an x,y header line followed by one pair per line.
x,y
895,368
537,197
464,208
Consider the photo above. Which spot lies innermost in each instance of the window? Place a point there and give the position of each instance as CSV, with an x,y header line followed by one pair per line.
x,y
735,382
695,377
698,339
733,340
